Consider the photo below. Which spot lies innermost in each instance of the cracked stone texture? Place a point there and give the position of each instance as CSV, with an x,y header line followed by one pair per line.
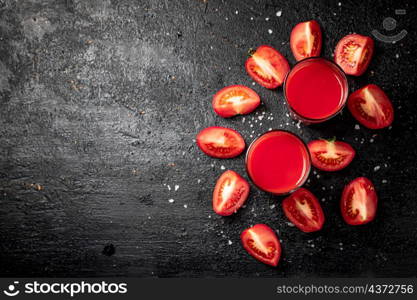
x,y
100,104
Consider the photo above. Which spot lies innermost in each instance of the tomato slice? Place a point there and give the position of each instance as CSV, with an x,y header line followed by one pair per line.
x,y
353,53
262,243
220,142
330,155
230,193
304,210
267,67
359,202
306,40
371,107
235,100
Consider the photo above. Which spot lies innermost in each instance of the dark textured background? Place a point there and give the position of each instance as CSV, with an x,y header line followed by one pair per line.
x,y
100,105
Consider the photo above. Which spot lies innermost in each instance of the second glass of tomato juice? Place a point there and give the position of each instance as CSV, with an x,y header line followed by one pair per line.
x,y
278,162
315,90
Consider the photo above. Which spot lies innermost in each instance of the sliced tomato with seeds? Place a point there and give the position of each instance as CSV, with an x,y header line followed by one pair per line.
x,y
371,107
235,100
306,40
330,155
359,201
220,142
354,53
230,193
267,67
262,243
304,210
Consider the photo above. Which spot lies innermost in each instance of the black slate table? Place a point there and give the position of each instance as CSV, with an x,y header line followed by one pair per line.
x,y
100,105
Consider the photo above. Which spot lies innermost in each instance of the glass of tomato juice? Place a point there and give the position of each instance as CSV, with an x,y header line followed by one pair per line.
x,y
278,162
315,90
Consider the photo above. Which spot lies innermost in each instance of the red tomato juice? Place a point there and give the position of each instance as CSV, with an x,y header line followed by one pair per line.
x,y
316,89
278,162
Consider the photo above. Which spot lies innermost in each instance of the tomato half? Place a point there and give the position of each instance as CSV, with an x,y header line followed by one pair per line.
x,y
220,142
267,67
235,100
230,193
359,202
353,53
330,155
371,107
304,210
306,40
262,243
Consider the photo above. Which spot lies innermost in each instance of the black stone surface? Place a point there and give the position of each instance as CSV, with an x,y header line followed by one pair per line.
x,y
100,104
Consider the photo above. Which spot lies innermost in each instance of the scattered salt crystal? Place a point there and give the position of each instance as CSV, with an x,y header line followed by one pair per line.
x,y
169,188
260,117
243,120
340,3
260,124
171,200
229,242
185,205
209,216
371,140
318,176
377,168
237,12
270,31
222,167
227,19
269,129
251,125
323,199
290,224
323,188
251,18
279,13
272,206
384,181
176,187
266,19
212,165
199,180
253,83
357,127
397,55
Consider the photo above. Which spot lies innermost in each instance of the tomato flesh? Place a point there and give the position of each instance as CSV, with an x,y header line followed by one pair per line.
x,y
304,210
354,53
267,67
329,155
230,193
359,202
261,242
220,142
306,40
235,100
371,107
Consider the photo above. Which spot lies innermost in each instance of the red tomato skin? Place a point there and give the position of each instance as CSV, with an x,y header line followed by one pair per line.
x,y
265,232
285,67
238,149
243,192
373,202
226,112
287,205
364,41
383,98
317,36
316,144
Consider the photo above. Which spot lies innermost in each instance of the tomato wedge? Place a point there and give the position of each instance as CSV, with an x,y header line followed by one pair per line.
x,y
330,155
371,107
304,210
359,202
262,243
306,40
267,67
220,142
235,100
230,193
353,53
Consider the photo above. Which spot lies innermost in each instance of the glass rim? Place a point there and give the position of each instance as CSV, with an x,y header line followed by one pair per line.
x,y
305,176
344,78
